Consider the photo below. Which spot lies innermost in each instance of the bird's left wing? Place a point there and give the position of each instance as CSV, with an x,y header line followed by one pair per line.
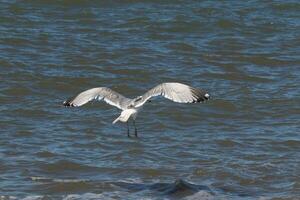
x,y
101,93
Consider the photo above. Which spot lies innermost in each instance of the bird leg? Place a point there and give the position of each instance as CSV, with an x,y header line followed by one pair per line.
x,y
128,130
135,129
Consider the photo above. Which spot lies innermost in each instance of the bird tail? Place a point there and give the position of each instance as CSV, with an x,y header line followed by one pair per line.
x,y
124,116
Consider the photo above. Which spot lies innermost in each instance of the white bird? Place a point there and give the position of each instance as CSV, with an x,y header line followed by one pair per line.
x,y
176,92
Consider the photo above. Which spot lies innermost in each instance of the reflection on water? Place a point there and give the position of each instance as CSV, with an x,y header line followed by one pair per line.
x,y
243,144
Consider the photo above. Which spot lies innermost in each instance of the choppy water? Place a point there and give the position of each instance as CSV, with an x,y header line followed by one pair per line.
x,y
243,144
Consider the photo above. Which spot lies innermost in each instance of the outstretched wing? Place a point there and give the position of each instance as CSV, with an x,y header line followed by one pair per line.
x,y
109,96
177,92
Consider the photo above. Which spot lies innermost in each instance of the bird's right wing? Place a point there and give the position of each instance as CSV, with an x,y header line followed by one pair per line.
x,y
109,96
176,92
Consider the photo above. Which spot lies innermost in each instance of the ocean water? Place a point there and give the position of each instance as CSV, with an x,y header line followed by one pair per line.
x,y
242,144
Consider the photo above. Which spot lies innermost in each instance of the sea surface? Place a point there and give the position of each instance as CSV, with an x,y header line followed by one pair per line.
x,y
243,144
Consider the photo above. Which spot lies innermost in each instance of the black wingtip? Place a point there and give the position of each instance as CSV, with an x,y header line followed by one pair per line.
x,y
200,96
68,103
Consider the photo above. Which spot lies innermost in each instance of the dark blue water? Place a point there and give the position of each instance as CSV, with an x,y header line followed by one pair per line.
x,y
242,144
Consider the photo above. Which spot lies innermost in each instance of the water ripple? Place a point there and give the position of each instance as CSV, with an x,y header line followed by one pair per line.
x,y
243,144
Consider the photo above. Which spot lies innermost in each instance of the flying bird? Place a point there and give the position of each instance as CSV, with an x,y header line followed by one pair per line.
x,y
176,92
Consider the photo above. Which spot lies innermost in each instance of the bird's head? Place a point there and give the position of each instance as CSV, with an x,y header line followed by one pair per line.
x,y
135,101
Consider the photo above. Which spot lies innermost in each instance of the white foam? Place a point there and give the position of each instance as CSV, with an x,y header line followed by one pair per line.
x,y
8,197
36,197
91,196
203,195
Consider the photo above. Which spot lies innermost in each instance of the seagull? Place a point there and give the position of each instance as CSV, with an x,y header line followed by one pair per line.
x,y
176,92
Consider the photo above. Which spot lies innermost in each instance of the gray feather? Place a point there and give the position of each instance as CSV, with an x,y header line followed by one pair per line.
x,y
101,93
176,92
